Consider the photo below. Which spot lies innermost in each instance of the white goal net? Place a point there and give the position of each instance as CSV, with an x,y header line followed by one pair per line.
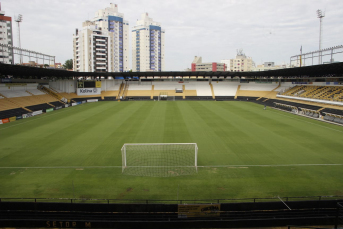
x,y
165,97
159,159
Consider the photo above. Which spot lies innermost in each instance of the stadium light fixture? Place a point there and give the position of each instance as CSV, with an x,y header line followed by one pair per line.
x,y
320,15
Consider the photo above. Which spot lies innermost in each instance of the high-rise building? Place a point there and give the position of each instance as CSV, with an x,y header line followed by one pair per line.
x,y
102,45
147,45
199,66
6,38
241,63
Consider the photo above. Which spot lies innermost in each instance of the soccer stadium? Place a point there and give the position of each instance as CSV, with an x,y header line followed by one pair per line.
x,y
252,149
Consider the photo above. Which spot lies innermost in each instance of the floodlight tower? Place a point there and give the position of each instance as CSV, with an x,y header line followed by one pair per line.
x,y
18,20
320,15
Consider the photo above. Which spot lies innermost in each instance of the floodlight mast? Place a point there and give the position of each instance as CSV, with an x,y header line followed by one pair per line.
x,y
320,15
18,20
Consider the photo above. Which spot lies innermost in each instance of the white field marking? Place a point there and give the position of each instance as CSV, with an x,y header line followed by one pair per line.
x,y
310,122
42,116
203,166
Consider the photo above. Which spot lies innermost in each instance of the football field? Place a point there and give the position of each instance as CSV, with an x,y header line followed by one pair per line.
x,y
244,151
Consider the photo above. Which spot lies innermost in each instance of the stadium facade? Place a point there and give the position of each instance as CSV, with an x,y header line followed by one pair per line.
x,y
6,38
147,45
102,45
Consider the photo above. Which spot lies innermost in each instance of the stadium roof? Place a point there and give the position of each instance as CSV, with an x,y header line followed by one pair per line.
x,y
325,70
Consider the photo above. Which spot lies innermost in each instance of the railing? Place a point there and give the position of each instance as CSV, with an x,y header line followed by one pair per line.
x,y
185,201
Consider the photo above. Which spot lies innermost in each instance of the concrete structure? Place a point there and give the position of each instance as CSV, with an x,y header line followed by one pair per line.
x,y
102,45
6,38
147,45
241,63
227,63
268,66
197,65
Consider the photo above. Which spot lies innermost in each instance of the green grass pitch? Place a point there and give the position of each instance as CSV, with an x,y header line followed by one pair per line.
x,y
75,152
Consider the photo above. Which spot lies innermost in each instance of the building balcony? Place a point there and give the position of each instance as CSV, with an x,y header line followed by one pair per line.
x,y
100,67
100,54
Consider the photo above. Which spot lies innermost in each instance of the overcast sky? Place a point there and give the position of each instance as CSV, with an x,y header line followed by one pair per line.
x,y
266,30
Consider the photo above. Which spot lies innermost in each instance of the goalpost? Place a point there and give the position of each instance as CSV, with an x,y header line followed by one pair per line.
x,y
159,159
163,96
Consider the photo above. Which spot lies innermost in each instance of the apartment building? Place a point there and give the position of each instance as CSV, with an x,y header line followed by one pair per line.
x,y
6,38
199,66
147,45
102,44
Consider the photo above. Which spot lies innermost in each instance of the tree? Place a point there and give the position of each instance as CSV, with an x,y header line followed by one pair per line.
x,y
68,64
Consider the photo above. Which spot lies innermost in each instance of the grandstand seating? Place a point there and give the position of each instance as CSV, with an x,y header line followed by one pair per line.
x,y
332,93
225,88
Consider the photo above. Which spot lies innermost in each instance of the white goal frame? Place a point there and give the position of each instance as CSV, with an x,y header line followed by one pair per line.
x,y
164,161
165,95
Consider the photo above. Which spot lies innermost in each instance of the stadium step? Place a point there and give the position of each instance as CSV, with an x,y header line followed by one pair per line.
x,y
51,104
183,91
239,86
52,93
29,92
152,91
321,109
277,87
212,91
121,88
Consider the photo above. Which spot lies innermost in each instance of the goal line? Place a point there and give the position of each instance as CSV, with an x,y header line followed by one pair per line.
x,y
199,166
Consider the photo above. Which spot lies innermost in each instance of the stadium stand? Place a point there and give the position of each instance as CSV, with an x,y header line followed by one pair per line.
x,y
12,112
225,88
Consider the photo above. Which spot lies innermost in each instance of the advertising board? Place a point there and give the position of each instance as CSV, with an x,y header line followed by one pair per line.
x,y
92,100
88,91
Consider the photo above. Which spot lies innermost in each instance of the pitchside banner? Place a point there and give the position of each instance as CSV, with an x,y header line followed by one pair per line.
x,y
198,210
37,113
5,120
88,91
0,121
49,110
12,119
92,100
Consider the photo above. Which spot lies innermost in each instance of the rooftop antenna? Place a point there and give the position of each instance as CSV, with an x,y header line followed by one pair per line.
x,y
18,20
320,15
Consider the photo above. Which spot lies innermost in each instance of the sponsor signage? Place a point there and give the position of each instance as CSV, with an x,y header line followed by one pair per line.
x,y
5,120
37,113
78,103
198,210
49,110
92,100
98,84
83,101
12,119
0,121
19,117
88,91
74,104
66,105
301,82
6,80
59,107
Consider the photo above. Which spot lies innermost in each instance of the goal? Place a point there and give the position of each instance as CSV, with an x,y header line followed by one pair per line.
x,y
159,159
165,97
